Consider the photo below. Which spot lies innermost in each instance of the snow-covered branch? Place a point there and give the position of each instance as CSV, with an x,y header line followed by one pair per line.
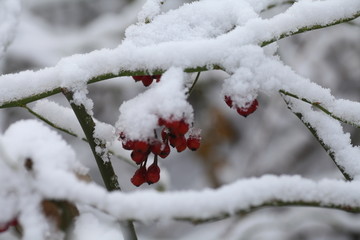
x,y
239,197
145,45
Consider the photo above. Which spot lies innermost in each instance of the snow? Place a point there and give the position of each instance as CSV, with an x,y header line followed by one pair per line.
x,y
242,195
32,151
195,21
89,226
61,116
150,9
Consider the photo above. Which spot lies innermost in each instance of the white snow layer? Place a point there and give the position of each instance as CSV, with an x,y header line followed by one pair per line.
x,y
31,154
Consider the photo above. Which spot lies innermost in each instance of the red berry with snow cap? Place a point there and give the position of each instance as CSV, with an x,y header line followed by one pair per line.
x,y
228,101
165,151
246,111
164,134
128,144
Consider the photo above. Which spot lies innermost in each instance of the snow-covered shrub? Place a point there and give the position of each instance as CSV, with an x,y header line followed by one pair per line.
x,y
46,191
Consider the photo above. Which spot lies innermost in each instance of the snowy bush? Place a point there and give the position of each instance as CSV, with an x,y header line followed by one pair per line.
x,y
46,188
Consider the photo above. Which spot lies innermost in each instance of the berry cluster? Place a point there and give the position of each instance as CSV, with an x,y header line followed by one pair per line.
x,y
147,79
150,175
249,108
172,134
6,226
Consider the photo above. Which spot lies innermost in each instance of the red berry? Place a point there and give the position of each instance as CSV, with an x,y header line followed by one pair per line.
x,y
128,145
193,143
122,136
183,128
141,146
153,174
4,228
14,222
175,140
228,101
156,147
172,126
137,78
161,122
161,149
165,151
246,111
164,134
139,176
147,80
138,157
178,142
182,146
157,77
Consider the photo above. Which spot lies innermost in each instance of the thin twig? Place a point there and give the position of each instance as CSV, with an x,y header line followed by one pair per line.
x,y
42,118
194,83
52,124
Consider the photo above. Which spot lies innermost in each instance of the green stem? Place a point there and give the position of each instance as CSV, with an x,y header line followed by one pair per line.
x,y
194,83
102,157
313,131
